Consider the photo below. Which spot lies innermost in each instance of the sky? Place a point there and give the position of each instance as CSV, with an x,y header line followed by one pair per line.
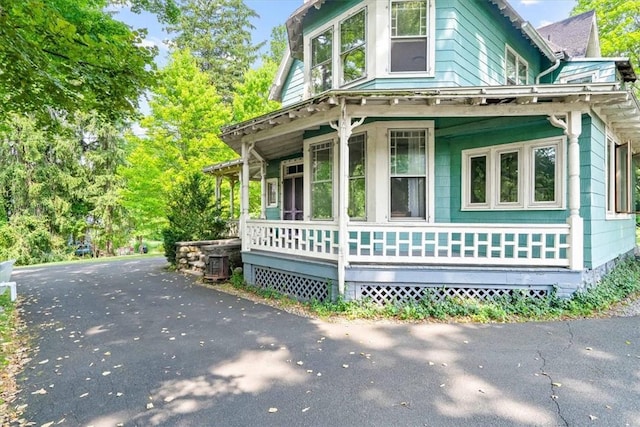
x,y
275,12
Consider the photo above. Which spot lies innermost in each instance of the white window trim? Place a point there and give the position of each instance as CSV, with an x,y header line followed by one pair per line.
x,y
366,179
336,63
519,59
610,199
429,127
271,182
592,74
526,171
431,44
307,178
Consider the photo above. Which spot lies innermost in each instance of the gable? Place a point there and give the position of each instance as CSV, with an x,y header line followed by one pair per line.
x,y
576,36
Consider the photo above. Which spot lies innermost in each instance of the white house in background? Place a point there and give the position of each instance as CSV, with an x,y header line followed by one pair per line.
x,y
440,146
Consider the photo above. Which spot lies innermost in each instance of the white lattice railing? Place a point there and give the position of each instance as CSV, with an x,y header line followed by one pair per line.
x,y
293,237
433,244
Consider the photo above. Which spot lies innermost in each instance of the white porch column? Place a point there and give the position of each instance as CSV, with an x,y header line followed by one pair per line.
x,y
218,192
345,128
244,193
576,236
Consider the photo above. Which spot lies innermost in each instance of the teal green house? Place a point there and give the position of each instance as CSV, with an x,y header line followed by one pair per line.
x,y
440,146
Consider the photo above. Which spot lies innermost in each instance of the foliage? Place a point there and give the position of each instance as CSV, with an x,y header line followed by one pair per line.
x,y
620,283
70,55
182,138
27,239
618,26
218,32
251,96
192,214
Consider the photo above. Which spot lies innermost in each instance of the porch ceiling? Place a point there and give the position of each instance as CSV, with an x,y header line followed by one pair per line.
x,y
280,133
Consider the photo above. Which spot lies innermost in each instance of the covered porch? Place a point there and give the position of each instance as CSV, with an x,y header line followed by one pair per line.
x,y
338,254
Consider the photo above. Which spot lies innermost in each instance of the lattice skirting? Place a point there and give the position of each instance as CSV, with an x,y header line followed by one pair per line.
x,y
296,286
383,294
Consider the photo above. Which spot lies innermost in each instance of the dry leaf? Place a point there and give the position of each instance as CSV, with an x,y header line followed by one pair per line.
x,y
149,405
593,417
41,391
306,409
273,410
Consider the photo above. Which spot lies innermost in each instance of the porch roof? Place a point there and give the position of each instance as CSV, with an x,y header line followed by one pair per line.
x,y
279,133
232,168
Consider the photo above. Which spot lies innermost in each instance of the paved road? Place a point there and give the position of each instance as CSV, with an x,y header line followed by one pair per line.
x,y
127,343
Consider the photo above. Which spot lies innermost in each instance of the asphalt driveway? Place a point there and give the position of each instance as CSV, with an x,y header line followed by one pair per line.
x,y
128,343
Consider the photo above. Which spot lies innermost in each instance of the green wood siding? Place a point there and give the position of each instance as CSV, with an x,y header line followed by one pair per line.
x,y
604,239
293,89
506,130
603,71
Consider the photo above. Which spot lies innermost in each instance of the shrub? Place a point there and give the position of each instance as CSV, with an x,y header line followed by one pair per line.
x,y
193,214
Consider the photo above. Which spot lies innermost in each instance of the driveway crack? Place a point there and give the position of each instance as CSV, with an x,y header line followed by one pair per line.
x,y
553,386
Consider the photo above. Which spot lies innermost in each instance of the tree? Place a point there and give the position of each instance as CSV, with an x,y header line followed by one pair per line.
x,y
182,138
618,25
64,55
218,33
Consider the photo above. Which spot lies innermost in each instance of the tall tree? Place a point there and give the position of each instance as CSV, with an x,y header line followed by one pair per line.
x,y
182,138
218,33
70,55
618,25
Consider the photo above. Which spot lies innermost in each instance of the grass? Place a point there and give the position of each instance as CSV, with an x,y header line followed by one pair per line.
x,y
620,283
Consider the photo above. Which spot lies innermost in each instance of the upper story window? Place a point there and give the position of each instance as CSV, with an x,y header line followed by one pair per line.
x,y
339,53
409,35
516,69
353,48
322,61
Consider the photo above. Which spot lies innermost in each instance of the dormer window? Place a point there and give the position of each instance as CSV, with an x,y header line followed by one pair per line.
x,y
516,68
409,46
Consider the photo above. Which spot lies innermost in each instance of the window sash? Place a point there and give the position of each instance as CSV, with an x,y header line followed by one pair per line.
x,y
321,61
357,208
409,35
322,181
408,18
516,69
408,173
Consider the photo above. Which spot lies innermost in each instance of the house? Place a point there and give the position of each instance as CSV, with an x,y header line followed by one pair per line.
x,y
438,146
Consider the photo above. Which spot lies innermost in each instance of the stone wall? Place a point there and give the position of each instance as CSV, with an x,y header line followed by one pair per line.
x,y
191,257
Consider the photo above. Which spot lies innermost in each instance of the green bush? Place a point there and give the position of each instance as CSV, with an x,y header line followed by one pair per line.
x,y
193,214
26,239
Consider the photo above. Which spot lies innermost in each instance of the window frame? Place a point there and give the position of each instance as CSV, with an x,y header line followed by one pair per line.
x,y
334,27
272,183
329,144
429,38
518,61
612,178
526,176
570,79
424,175
359,177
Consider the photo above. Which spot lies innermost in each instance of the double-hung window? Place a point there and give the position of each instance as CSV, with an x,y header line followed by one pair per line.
x,y
339,53
322,180
514,176
409,35
516,68
408,173
322,61
353,48
618,167
357,177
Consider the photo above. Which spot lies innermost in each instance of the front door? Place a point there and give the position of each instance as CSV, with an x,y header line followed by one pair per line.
x,y
292,192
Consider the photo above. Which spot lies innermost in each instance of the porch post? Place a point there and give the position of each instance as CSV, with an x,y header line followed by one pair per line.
x,y
576,232
345,128
244,193
218,192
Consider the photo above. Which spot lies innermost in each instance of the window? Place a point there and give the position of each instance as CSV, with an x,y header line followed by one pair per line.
x,y
272,192
516,69
357,183
514,176
322,181
321,61
339,53
353,49
409,40
408,173
618,166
